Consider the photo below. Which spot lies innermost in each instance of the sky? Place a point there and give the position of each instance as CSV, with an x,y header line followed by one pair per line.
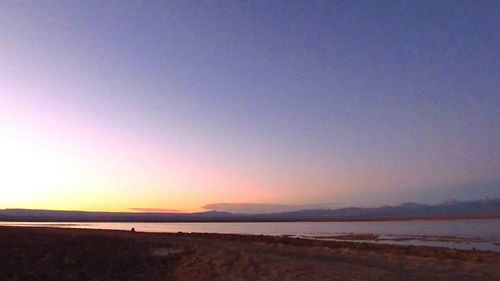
x,y
187,105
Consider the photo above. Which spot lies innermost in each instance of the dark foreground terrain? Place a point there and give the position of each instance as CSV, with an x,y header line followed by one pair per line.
x,y
68,254
46,254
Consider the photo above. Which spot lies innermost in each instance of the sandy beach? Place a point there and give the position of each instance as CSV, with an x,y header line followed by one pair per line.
x,y
72,254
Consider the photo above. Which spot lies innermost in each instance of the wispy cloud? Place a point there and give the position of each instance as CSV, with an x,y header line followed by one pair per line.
x,y
155,210
258,208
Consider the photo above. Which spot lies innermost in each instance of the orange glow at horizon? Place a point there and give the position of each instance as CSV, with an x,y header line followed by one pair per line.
x,y
84,169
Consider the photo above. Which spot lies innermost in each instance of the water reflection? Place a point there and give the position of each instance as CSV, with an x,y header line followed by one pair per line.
x,y
487,230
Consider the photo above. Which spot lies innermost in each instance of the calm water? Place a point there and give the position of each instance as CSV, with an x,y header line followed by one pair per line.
x,y
488,229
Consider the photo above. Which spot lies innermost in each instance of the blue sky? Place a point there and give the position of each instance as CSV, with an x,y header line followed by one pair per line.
x,y
277,102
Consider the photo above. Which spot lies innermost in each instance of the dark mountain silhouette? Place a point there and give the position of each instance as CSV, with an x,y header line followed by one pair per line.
x,y
477,208
50,215
450,209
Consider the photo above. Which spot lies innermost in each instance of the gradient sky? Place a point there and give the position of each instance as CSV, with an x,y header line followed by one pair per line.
x,y
112,105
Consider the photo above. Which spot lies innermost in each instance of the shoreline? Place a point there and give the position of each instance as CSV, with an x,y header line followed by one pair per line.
x,y
342,240
455,240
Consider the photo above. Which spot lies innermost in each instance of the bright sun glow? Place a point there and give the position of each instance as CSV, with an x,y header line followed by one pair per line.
x,y
31,171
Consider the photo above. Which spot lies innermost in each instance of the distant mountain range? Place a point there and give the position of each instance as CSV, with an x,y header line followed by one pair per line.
x,y
451,209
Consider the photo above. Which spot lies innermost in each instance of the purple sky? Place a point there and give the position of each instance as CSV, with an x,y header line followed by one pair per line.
x,y
111,105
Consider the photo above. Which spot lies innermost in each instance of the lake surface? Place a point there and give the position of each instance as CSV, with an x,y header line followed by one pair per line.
x,y
486,229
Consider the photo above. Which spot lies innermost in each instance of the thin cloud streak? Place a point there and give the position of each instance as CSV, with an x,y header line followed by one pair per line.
x,y
155,210
259,208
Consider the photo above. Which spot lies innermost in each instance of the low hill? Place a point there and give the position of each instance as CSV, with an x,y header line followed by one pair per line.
x,y
454,209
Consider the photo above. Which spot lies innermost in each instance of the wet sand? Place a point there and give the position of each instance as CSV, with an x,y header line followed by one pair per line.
x,y
181,256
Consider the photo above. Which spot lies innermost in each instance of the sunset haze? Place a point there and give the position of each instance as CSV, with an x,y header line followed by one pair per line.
x,y
179,105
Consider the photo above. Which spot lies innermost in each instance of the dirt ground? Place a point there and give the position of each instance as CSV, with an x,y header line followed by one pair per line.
x,y
192,257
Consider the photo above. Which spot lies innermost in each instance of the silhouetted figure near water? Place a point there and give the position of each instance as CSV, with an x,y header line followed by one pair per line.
x,y
132,230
